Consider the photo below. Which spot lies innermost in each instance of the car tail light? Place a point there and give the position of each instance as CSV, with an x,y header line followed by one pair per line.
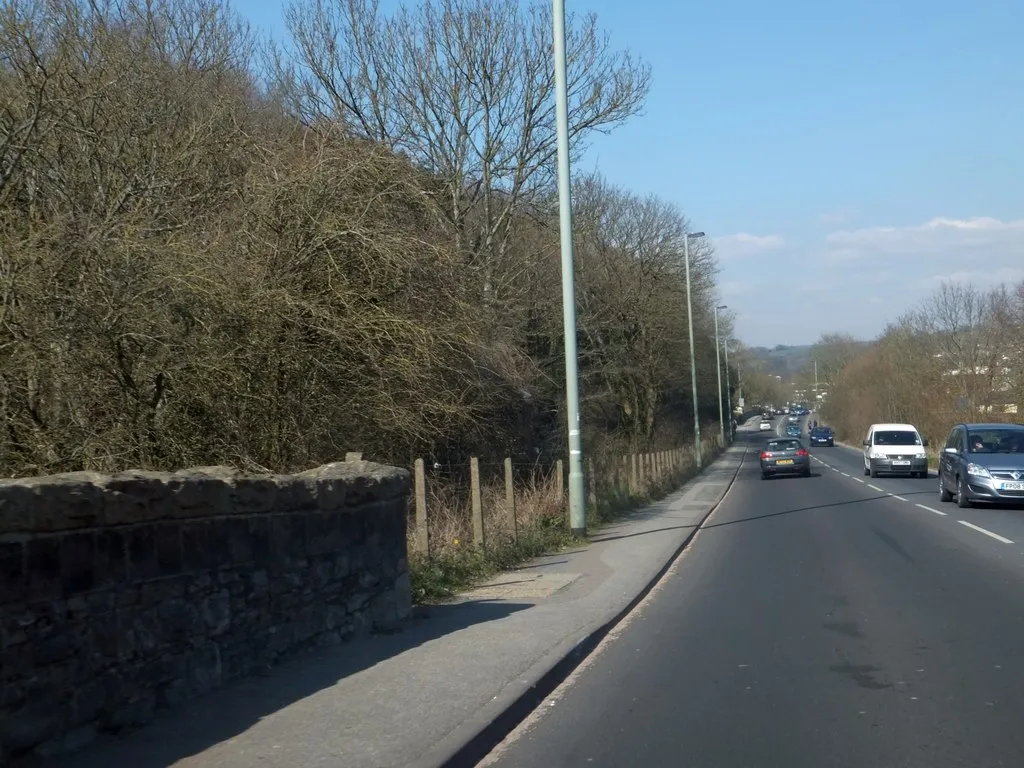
x,y
802,452
766,454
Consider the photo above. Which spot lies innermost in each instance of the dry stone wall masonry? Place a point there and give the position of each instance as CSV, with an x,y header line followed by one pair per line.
x,y
123,594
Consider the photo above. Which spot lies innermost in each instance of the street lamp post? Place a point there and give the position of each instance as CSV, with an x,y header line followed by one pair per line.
x,y
718,370
577,510
728,390
693,358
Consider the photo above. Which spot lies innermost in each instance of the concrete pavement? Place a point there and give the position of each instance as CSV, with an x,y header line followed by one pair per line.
x,y
446,689
835,621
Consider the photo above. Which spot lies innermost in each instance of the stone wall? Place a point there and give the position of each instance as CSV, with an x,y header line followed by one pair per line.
x,y
123,594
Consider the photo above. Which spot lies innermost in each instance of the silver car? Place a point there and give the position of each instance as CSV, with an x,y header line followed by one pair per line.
x,y
785,456
983,462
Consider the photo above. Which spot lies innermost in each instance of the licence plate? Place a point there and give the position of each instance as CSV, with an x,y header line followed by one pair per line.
x,y
901,463
790,461
1011,486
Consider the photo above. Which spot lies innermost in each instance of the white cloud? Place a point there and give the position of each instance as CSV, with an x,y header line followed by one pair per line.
x,y
891,269
939,238
1009,275
743,245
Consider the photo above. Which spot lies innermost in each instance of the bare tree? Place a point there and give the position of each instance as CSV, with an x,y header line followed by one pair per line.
x,y
465,88
631,294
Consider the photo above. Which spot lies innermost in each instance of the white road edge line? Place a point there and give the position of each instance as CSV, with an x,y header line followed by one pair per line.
x,y
979,529
931,509
858,480
846,474
875,487
897,497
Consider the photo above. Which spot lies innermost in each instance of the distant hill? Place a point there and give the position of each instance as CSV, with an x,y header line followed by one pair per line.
x,y
782,360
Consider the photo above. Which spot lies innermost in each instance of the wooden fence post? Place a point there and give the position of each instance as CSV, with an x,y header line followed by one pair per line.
x,y
420,491
592,477
510,499
478,508
559,483
634,477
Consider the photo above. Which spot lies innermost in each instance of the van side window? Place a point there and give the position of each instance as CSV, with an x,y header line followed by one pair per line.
x,y
870,439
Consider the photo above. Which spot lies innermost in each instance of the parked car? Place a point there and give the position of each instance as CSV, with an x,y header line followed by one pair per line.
x,y
785,456
983,462
822,436
895,449
793,430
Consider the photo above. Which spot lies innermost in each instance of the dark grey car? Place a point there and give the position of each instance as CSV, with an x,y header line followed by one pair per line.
x,y
983,462
785,456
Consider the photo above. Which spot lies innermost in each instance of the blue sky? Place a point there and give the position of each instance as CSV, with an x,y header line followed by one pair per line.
x,y
846,157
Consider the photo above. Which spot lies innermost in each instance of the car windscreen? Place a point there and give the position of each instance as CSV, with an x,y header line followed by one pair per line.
x,y
822,431
996,441
897,437
778,446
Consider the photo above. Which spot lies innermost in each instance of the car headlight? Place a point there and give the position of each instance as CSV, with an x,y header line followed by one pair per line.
x,y
977,470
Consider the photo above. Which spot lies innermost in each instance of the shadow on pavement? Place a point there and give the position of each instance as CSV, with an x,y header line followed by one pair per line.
x,y
188,730
641,533
794,511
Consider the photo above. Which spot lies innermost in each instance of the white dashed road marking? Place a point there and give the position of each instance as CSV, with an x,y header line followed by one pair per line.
x,y
926,508
979,529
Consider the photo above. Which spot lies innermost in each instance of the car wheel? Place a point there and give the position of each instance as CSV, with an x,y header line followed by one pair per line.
x,y
962,500
944,495
873,472
806,473
765,475
866,471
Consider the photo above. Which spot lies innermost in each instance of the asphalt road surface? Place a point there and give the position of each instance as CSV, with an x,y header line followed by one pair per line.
x,y
835,620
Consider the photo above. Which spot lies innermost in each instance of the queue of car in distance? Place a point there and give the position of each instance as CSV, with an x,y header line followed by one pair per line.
x,y
983,463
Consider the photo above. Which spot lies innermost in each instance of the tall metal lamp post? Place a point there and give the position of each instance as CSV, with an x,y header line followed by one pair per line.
x,y
693,358
718,368
728,389
577,500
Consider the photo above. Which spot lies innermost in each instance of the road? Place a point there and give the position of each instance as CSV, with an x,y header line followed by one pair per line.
x,y
835,620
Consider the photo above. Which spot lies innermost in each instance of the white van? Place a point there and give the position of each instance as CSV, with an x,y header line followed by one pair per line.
x,y
895,449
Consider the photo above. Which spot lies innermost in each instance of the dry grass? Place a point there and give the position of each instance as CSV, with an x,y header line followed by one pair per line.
x,y
540,526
